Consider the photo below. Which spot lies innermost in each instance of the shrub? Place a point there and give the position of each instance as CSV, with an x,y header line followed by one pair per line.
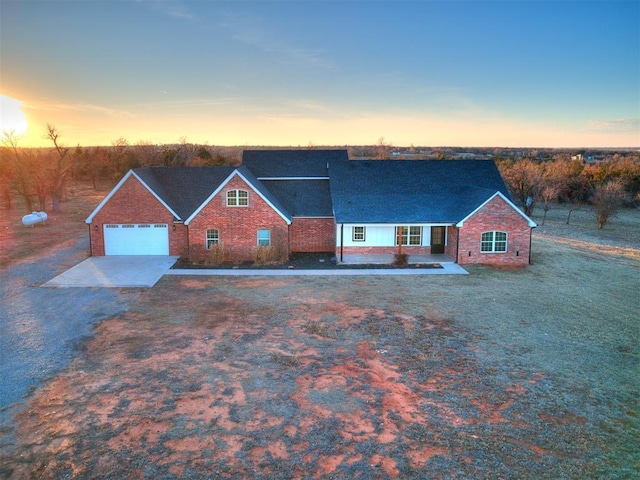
x,y
400,260
272,254
215,255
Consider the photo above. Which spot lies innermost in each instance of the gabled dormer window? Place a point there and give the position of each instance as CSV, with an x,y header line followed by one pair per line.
x,y
237,198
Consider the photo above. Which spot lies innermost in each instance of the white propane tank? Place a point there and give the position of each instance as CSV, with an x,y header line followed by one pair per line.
x,y
33,218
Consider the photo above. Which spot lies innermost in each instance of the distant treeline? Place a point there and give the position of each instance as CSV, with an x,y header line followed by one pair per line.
x,y
534,177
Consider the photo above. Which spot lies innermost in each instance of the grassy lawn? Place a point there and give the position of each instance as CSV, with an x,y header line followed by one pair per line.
x,y
527,373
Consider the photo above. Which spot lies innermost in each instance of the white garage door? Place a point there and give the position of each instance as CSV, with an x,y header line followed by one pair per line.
x,y
136,239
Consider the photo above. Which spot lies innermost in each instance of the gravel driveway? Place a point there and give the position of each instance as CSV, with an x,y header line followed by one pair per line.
x,y
41,327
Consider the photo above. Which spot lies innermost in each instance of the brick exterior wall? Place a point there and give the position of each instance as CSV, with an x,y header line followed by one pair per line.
x,y
237,226
133,203
496,215
312,235
452,242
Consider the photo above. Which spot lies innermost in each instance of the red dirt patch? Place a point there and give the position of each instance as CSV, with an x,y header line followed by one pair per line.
x,y
225,382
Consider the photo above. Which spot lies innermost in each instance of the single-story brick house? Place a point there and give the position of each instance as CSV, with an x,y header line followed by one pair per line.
x,y
315,201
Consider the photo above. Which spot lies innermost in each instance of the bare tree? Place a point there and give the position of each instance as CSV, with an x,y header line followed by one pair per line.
x,y
548,194
116,158
62,165
607,198
6,175
382,149
148,154
20,168
524,179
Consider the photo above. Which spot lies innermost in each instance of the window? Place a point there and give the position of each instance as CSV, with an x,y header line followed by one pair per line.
x,y
358,234
493,242
409,235
213,238
264,238
237,198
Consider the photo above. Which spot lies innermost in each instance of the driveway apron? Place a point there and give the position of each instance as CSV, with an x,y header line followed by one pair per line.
x,y
115,271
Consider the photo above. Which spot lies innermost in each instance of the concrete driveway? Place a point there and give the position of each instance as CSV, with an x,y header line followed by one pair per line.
x,y
115,271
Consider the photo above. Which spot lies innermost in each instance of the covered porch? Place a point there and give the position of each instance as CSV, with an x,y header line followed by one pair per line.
x,y
387,259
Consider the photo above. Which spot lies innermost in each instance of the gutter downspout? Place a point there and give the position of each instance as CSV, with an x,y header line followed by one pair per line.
x,y
457,243
530,235
341,241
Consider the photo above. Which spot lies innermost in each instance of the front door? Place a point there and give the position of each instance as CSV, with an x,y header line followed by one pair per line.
x,y
437,239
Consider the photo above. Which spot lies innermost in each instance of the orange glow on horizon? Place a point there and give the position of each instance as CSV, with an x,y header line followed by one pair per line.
x,y
12,119
91,125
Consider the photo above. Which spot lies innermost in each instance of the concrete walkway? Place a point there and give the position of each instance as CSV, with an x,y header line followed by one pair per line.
x,y
145,270
447,269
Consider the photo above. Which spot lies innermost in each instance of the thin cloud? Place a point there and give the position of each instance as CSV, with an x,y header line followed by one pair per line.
x,y
52,106
170,8
624,125
252,31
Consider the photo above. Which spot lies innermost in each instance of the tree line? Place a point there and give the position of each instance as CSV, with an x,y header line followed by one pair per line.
x,y
40,176
607,184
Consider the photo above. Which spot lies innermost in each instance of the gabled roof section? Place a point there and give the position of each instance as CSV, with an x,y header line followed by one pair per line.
x,y
154,189
531,223
292,163
184,188
418,191
247,176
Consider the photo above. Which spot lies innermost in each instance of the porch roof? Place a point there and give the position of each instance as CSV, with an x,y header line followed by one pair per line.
x,y
374,191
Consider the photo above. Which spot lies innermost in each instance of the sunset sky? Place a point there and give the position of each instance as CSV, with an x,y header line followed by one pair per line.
x,y
478,73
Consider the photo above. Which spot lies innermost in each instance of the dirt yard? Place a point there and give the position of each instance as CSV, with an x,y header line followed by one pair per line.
x,y
18,242
528,373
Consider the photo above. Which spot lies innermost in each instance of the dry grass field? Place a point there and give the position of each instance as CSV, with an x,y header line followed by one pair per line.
x,y
18,242
525,373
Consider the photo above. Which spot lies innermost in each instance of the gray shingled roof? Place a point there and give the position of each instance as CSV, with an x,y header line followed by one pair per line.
x,y
302,198
291,163
359,191
184,189
394,191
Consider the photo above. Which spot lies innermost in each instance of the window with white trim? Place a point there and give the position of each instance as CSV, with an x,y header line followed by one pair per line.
x,y
213,238
237,198
358,233
409,235
264,238
493,242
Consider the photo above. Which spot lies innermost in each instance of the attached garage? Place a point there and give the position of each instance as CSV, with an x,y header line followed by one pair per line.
x,y
136,239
